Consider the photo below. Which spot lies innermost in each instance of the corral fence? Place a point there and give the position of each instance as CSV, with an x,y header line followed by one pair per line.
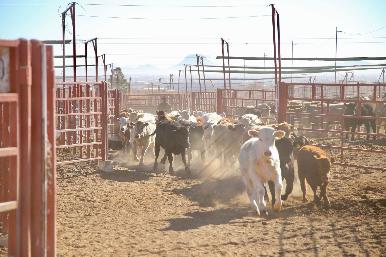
x,y
82,114
27,148
231,101
318,110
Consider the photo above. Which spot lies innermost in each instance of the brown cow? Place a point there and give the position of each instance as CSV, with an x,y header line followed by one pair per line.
x,y
314,166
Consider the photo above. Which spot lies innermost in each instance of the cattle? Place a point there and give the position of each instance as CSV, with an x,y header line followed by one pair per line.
x,y
227,139
259,163
249,121
209,121
314,166
124,129
298,142
354,122
174,139
143,135
285,148
196,139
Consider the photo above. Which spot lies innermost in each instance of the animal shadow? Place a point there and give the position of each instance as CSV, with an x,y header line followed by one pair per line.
x,y
195,220
211,192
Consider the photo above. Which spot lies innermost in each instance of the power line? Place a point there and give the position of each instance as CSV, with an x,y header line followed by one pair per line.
x,y
147,18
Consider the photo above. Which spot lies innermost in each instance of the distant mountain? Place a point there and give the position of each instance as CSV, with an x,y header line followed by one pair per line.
x,y
191,59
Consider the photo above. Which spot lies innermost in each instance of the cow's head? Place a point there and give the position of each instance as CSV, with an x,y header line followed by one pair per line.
x,y
140,129
267,137
287,128
123,123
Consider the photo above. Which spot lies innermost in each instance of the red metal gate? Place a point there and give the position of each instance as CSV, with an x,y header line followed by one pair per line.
x,y
319,113
82,121
27,176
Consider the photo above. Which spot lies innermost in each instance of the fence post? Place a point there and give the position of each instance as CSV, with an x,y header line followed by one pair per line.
x,y
24,90
283,101
219,107
104,164
105,113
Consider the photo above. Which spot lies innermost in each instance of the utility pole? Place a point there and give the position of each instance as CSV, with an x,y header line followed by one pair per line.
x,y
198,70
292,55
186,79
178,82
191,79
336,47
223,61
203,72
129,88
71,8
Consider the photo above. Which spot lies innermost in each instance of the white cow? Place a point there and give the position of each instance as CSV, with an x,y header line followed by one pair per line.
x,y
143,134
259,163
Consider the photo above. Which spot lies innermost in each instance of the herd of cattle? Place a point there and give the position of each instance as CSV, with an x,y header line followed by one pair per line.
x,y
266,153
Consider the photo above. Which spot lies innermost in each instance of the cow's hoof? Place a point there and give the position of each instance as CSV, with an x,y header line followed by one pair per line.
x,y
277,206
284,197
171,170
155,167
187,170
140,164
305,200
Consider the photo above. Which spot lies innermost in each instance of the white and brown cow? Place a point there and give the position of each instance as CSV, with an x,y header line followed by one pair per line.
x,y
143,135
259,163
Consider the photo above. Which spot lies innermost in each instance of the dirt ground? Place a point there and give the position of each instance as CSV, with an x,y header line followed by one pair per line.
x,y
136,212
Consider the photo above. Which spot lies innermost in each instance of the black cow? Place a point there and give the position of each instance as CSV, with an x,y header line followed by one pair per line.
x,y
285,148
353,122
196,140
174,139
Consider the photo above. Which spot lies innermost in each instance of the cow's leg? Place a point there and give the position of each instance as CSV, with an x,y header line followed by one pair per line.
x,y
316,197
278,186
367,125
135,148
163,160
183,157
170,158
271,186
323,194
346,128
258,192
289,179
203,154
374,127
157,148
189,156
302,180
353,128
249,188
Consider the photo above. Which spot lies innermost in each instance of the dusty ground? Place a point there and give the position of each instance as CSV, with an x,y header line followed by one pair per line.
x,y
135,212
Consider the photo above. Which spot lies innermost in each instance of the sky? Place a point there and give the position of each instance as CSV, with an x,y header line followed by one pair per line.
x,y
149,33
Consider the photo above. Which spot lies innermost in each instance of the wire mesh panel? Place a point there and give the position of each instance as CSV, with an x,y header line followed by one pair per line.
x,y
353,115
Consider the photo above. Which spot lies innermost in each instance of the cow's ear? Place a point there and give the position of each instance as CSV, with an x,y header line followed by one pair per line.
x,y
253,133
317,157
275,126
146,124
279,134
